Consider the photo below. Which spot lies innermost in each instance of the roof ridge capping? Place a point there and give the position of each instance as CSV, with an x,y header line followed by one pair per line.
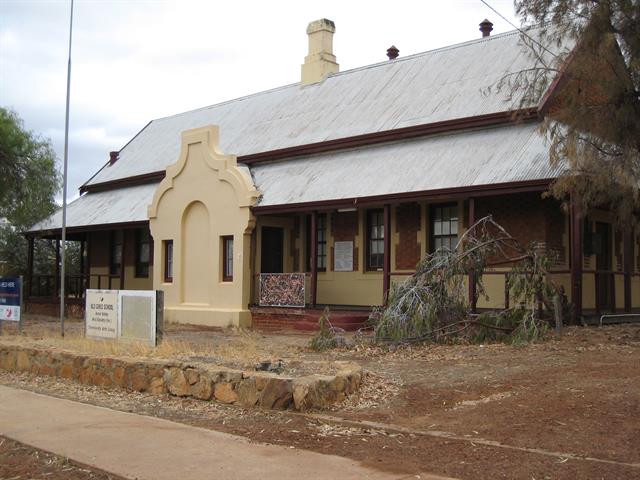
x,y
454,46
497,36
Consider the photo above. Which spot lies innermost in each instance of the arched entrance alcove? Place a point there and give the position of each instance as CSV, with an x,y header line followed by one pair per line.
x,y
196,254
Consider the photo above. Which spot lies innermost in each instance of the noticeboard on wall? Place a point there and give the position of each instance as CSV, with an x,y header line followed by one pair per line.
x,y
282,290
343,256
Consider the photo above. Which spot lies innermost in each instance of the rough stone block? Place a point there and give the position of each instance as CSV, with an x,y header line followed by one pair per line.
x,y
277,394
203,389
247,391
231,376
119,376
23,361
157,386
192,375
100,379
224,393
66,371
139,379
176,382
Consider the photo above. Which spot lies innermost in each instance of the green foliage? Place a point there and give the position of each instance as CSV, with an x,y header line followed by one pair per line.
x,y
326,337
497,326
421,306
594,121
432,305
29,182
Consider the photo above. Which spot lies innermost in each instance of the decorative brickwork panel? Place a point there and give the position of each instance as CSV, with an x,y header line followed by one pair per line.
x,y
529,218
344,228
520,215
407,226
555,230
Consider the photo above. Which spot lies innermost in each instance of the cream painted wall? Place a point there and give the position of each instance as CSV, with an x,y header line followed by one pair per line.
x,y
204,197
357,288
635,292
494,289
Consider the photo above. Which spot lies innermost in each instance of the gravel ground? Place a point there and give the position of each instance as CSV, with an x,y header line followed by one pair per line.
x,y
22,462
567,408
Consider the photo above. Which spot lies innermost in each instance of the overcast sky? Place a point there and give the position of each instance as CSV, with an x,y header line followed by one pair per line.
x,y
136,60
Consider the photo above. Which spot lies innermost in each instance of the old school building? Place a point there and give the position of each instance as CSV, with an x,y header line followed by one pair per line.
x,y
328,190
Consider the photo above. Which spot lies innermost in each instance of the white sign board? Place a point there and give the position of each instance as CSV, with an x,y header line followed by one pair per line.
x,y
10,314
137,315
343,256
101,314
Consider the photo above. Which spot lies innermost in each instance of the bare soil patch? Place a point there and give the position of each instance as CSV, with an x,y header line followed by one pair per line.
x,y
572,399
19,461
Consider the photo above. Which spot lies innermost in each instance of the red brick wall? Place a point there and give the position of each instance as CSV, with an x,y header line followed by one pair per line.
x,y
555,225
529,218
99,248
344,228
407,227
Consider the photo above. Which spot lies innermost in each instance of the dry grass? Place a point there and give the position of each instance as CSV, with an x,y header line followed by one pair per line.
x,y
240,347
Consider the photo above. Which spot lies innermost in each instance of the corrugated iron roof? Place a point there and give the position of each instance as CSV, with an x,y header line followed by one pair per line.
x,y
102,208
486,156
443,84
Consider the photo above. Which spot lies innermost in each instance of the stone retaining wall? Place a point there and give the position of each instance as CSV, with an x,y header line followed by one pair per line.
x,y
201,381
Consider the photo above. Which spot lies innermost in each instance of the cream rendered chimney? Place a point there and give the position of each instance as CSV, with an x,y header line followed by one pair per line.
x,y
321,61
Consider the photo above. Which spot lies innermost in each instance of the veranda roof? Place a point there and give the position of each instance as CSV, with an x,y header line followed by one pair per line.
x,y
122,205
480,157
488,156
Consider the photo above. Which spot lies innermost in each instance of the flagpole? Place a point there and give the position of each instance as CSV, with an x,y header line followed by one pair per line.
x,y
64,182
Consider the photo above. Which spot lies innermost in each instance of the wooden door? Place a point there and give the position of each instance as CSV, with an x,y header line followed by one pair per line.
x,y
604,275
272,250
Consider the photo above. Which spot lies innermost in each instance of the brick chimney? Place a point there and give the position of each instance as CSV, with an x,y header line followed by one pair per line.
x,y
485,27
320,62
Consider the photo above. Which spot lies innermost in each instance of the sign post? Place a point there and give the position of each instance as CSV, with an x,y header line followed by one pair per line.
x,y
11,300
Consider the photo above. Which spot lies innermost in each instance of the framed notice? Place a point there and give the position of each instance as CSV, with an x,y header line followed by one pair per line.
x,y
101,314
343,256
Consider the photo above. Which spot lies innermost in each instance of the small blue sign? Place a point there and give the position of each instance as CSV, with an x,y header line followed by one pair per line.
x,y
10,298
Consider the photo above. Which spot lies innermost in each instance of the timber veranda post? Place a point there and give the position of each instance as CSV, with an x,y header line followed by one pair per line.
x,y
386,268
314,258
472,276
576,219
628,267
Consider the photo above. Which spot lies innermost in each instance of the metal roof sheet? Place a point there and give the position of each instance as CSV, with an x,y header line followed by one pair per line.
x,y
438,85
471,158
486,156
127,204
